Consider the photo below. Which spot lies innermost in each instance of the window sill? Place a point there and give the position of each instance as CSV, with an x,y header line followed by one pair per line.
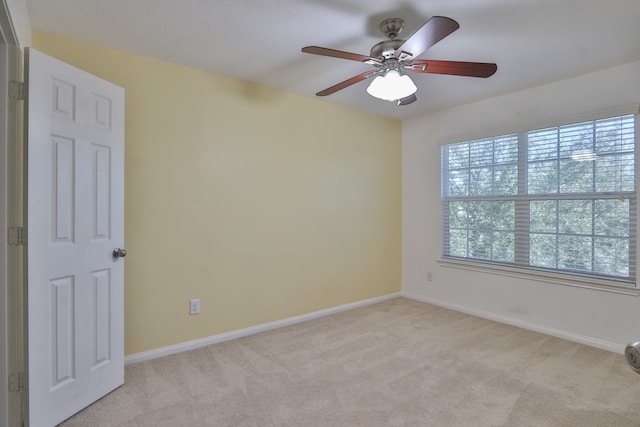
x,y
543,276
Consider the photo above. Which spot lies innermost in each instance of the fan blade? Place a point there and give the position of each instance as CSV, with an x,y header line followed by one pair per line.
x,y
349,82
407,100
456,68
434,30
316,50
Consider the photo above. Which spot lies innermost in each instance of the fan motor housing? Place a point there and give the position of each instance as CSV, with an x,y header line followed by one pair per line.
x,y
386,49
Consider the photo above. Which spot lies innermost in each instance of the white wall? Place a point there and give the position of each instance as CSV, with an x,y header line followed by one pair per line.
x,y
603,319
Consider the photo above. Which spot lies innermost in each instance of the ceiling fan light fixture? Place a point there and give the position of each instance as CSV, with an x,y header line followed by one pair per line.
x,y
392,86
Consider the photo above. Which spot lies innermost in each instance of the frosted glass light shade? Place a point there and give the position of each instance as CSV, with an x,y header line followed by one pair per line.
x,y
391,86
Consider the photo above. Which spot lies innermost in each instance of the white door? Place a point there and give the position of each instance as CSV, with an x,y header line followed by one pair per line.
x,y
75,220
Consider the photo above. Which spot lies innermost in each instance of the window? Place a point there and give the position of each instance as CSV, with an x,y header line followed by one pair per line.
x,y
560,199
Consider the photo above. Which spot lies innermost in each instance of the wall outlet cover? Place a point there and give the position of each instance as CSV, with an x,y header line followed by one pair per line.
x,y
194,306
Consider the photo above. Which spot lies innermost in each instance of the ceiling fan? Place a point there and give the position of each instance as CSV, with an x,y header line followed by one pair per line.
x,y
394,57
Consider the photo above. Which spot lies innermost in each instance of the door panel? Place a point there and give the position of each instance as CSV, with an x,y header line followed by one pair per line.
x,y
75,188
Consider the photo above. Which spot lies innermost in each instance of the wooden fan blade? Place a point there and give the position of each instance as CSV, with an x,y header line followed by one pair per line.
x,y
456,68
317,50
348,82
408,100
434,30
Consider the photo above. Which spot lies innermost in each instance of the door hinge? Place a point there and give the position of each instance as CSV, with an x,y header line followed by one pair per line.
x,y
16,236
17,91
17,381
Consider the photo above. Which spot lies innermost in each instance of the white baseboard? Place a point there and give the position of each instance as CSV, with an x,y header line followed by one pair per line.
x,y
559,333
227,336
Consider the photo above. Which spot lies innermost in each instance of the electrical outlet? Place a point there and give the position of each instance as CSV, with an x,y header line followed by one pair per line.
x,y
194,306
429,277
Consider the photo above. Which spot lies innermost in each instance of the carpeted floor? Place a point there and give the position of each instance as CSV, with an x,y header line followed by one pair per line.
x,y
397,363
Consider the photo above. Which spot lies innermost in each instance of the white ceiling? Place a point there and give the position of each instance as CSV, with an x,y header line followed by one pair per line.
x,y
532,41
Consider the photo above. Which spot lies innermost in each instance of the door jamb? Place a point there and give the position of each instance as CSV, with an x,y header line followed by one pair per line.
x,y
12,323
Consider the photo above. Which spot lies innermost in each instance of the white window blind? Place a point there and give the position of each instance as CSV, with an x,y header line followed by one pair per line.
x,y
561,199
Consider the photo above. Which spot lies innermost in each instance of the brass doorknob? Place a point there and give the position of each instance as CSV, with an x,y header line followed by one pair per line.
x,y
119,253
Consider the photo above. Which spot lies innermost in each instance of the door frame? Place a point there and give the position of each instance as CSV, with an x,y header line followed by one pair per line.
x,y
15,33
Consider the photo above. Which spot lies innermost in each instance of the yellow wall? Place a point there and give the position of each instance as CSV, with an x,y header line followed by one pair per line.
x,y
262,203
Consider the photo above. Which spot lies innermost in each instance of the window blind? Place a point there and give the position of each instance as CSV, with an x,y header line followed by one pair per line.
x,y
560,198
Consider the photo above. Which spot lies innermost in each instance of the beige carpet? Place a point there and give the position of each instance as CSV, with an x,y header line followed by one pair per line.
x,y
398,363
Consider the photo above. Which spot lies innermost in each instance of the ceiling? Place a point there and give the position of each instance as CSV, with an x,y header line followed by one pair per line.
x,y
532,41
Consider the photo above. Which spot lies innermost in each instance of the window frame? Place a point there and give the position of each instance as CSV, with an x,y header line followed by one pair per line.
x,y
520,266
